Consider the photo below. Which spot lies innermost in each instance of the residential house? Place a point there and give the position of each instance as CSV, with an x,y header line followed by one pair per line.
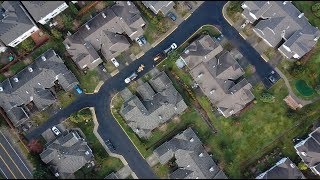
x,y
15,23
283,169
32,85
309,151
159,102
43,11
281,25
105,33
159,6
67,154
190,156
219,78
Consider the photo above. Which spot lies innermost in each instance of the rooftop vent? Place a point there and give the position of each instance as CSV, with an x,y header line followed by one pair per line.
x,y
43,58
87,26
188,165
316,38
128,2
87,153
211,169
300,15
16,79
67,46
200,74
160,117
304,153
30,69
285,2
231,112
186,51
212,91
191,140
104,15
201,155
1,89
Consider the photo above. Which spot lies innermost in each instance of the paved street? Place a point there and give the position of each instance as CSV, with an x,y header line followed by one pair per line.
x,y
11,165
208,13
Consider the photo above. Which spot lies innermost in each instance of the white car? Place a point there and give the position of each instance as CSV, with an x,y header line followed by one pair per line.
x,y
115,62
139,41
55,130
172,47
131,78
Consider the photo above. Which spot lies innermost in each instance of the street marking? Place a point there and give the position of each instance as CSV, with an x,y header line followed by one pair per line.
x,y
7,166
16,153
4,173
13,161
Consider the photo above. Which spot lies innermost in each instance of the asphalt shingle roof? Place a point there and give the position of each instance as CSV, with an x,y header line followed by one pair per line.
x,y
192,159
33,84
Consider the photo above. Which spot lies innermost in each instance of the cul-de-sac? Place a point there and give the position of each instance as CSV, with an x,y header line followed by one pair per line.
x,y
159,90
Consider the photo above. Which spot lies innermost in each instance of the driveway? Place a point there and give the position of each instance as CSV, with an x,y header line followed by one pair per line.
x,y
207,13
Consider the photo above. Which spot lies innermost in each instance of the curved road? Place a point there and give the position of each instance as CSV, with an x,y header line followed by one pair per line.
x,y
207,13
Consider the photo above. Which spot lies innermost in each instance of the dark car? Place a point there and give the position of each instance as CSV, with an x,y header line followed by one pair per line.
x,y
110,145
172,16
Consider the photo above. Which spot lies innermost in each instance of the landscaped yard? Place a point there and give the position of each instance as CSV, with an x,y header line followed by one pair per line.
x,y
234,10
65,98
305,7
105,164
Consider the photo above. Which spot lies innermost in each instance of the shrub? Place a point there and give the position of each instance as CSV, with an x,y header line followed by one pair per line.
x,y
267,97
67,21
302,166
73,8
26,45
56,33
316,9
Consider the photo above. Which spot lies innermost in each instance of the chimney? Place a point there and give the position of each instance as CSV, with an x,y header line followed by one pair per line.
x,y
67,46
1,89
30,69
200,74
16,79
188,165
211,169
87,26
191,140
43,58
104,15
300,15
160,117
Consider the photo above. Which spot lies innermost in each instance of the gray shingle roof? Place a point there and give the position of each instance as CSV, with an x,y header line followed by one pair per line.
x,y
284,169
15,22
160,102
216,76
156,6
33,86
309,149
105,34
40,9
68,153
279,21
192,159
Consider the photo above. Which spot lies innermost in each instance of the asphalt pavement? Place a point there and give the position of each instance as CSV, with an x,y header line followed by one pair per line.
x,y
209,12
11,165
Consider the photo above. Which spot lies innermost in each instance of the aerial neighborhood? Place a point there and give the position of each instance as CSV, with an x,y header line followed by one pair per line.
x,y
159,89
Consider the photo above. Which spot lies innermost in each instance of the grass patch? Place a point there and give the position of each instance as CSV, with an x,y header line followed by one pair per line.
x,y
109,66
17,67
305,7
303,88
40,117
105,164
270,53
135,48
161,171
234,9
89,81
65,98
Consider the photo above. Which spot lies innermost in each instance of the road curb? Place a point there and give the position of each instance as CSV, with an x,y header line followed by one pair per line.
x,y
122,127
163,38
95,132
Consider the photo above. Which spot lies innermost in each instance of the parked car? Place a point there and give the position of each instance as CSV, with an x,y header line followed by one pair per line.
x,y
159,56
78,89
172,47
110,145
131,78
172,16
101,66
138,40
115,62
55,130
188,4
143,40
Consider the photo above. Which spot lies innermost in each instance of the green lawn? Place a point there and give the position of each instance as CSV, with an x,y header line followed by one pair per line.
x,y
105,164
2,77
17,67
65,98
234,9
305,7
303,88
